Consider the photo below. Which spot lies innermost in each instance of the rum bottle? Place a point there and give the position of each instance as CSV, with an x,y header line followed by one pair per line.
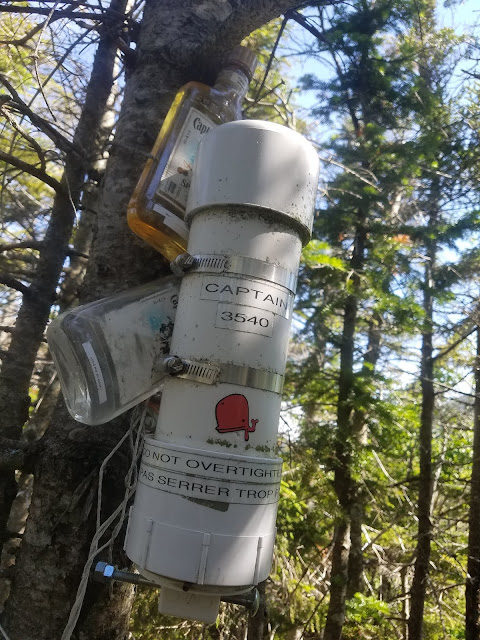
x,y
156,209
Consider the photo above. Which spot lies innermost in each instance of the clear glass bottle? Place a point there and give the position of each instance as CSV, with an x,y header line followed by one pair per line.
x,y
157,207
107,352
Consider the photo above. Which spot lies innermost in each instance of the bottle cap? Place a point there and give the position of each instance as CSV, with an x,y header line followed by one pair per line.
x,y
244,58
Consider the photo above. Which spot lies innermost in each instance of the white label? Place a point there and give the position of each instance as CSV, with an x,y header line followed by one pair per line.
x,y
249,319
238,81
97,372
211,477
172,221
251,293
175,182
136,336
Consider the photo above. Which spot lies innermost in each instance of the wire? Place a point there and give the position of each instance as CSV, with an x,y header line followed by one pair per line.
x,y
3,632
136,423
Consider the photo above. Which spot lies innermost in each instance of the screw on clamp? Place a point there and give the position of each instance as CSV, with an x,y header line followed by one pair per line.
x,y
173,365
104,572
182,263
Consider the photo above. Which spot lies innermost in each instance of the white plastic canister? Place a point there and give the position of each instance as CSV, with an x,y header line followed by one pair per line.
x,y
203,522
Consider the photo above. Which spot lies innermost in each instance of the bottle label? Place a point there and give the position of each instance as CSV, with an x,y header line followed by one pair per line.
x,y
97,371
234,79
175,182
172,221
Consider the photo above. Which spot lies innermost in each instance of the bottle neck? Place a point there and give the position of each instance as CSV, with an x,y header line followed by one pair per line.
x,y
233,81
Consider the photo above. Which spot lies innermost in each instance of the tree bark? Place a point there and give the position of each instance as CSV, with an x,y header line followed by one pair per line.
x,y
472,590
177,42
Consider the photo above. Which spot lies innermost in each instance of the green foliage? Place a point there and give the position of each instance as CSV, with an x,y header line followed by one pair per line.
x,y
367,618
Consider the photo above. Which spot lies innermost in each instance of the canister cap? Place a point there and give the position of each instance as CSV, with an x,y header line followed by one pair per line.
x,y
242,57
258,164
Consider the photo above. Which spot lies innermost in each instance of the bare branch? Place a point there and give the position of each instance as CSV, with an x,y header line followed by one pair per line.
x,y
451,347
6,328
272,56
57,15
8,281
33,143
34,57
23,40
330,160
26,244
48,129
71,252
37,245
31,169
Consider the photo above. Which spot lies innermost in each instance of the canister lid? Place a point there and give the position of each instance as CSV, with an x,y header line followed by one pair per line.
x,y
258,164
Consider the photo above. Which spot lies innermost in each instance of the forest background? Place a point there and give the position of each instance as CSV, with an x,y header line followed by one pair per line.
x,y
379,519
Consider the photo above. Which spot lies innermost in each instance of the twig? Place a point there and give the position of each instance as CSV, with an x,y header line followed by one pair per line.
x,y
57,15
12,283
78,254
330,160
34,57
23,40
442,354
272,56
7,328
31,169
40,152
26,244
48,129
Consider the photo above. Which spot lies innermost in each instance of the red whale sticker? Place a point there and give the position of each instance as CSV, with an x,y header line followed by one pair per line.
x,y
232,415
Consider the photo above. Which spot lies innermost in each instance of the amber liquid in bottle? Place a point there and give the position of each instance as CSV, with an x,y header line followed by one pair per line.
x,y
156,209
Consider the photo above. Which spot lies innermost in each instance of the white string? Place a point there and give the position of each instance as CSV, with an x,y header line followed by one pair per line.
x,y
3,632
136,422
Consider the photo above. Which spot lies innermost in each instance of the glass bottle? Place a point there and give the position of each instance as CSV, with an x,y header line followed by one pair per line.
x,y
107,353
157,207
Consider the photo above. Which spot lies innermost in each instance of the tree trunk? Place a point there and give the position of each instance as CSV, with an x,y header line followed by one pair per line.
x,y
405,612
360,435
343,483
33,314
424,533
176,41
70,287
472,591
338,581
